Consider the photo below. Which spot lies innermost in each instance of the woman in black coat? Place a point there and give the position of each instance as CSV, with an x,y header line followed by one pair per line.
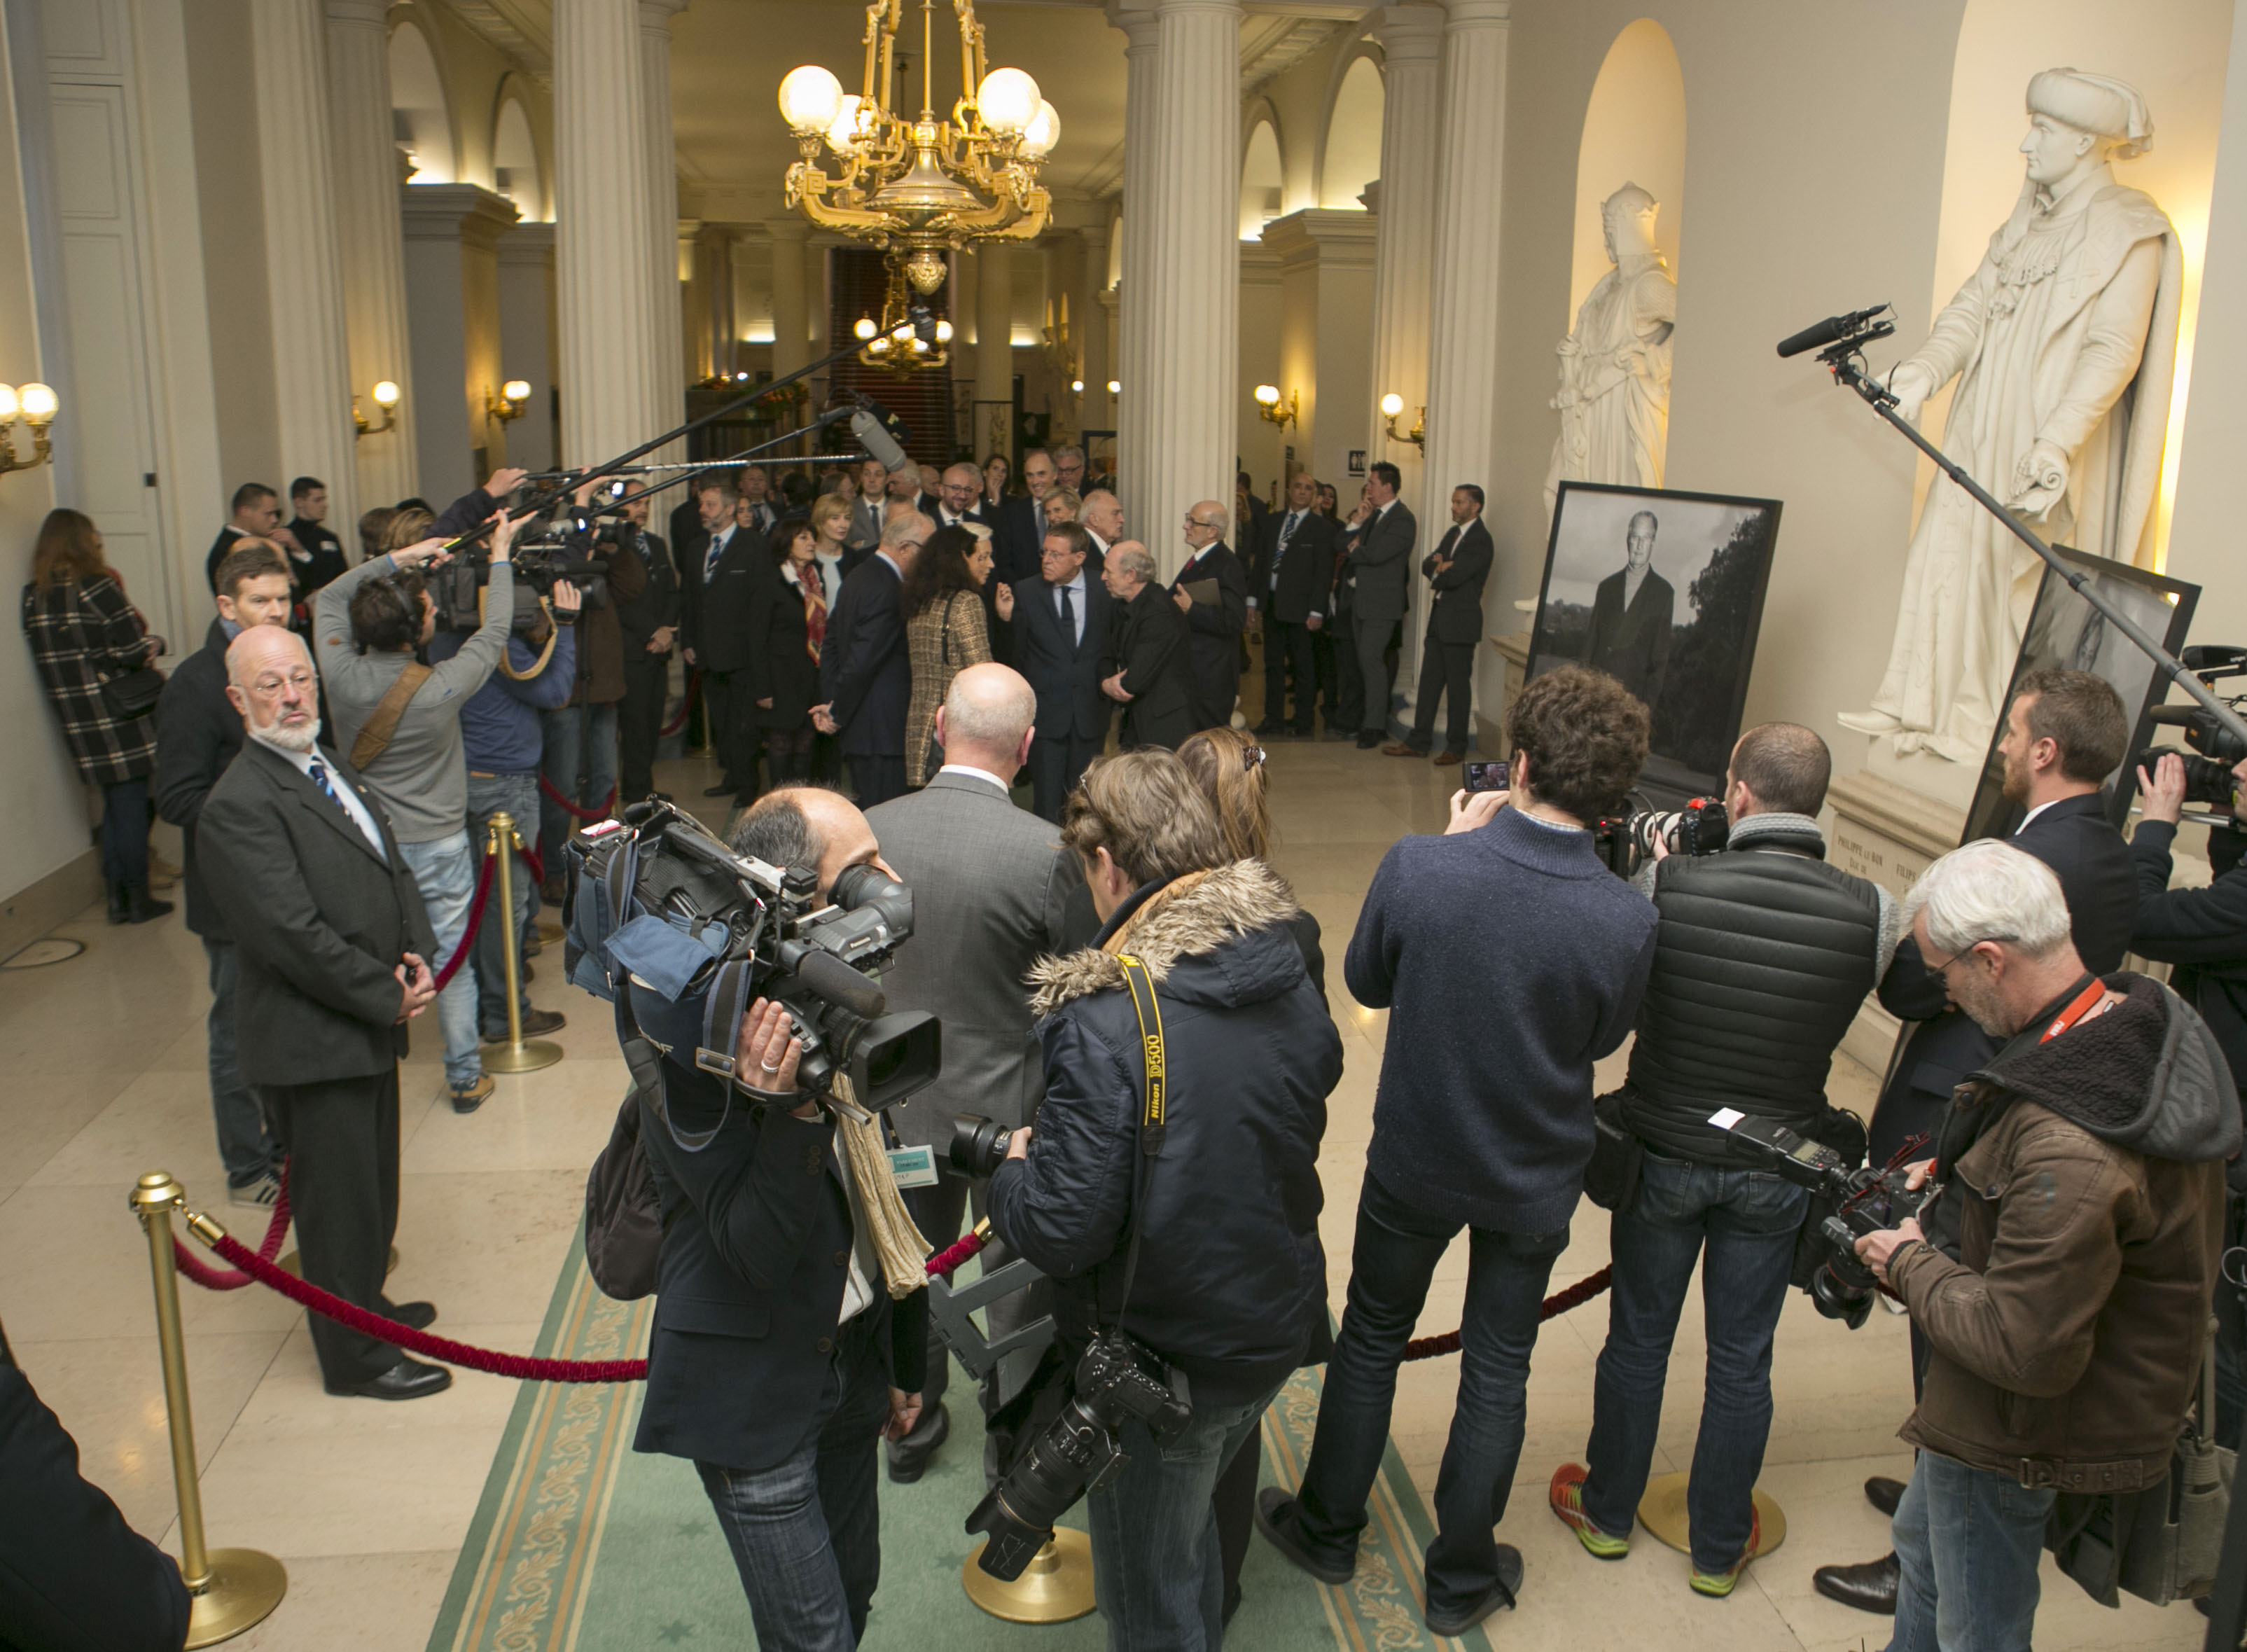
x,y
82,630
787,624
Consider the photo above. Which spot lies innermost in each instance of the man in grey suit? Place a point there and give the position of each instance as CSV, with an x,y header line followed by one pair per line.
x,y
1379,551
992,890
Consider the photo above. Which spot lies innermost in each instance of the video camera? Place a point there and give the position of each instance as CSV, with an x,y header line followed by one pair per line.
x,y
1847,1201
1626,841
562,548
658,865
2208,776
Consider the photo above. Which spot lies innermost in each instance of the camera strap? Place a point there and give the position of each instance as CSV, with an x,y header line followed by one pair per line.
x,y
1154,1097
374,734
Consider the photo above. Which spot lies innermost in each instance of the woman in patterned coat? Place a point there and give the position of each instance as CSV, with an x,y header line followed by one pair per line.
x,y
943,607
81,628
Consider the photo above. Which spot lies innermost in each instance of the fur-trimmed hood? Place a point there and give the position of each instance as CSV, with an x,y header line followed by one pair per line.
x,y
1245,901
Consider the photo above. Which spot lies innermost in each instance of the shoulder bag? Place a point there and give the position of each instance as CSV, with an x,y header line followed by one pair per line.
x,y
375,735
124,694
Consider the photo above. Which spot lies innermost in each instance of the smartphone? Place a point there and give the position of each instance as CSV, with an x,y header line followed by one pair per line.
x,y
1486,777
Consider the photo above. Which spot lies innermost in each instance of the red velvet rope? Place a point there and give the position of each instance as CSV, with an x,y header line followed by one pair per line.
x,y
685,707
944,1261
555,795
475,918
1560,1303
214,1278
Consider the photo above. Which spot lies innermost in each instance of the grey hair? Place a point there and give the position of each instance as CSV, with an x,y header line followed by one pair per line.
x,y
1988,890
899,528
1136,561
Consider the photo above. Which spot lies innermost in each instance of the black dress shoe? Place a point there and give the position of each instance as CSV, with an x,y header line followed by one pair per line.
x,y
1884,1494
1367,742
1501,1595
1270,730
414,1316
1870,1588
407,1380
1276,1518
723,788
909,1457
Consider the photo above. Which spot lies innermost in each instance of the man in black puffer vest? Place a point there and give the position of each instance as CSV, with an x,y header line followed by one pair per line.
x,y
1763,955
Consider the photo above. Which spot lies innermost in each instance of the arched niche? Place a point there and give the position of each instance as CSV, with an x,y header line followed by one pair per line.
x,y
1350,157
421,115
2174,51
1633,132
1261,179
517,171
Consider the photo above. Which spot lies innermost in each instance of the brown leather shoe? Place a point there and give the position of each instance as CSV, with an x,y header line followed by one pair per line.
x,y
1399,748
1449,760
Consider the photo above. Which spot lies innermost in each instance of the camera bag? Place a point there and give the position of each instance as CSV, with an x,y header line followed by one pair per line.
x,y
1611,1179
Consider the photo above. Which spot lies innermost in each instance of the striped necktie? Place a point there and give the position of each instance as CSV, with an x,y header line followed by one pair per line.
x,y
319,771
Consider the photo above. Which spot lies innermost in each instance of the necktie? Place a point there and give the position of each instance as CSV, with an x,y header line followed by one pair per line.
x,y
1067,617
1280,551
319,773
717,550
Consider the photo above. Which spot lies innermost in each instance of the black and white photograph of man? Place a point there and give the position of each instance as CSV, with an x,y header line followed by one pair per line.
x,y
1632,615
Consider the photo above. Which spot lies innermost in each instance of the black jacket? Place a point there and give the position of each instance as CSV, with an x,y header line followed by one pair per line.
x,y
1149,643
1232,1280
198,731
325,558
1763,956
756,1248
74,1577
654,606
715,612
2201,932
780,666
1456,614
317,1000
865,673
1064,674
2100,881
1631,642
216,554
1017,533
1305,582
1217,628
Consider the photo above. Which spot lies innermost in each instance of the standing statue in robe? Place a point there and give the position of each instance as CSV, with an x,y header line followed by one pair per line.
x,y
1613,398
2064,343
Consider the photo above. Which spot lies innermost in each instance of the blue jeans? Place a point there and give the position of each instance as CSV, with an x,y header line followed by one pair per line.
x,y
1747,1220
518,795
244,1147
1393,1259
445,870
806,1532
125,831
1969,1542
1155,1566
558,730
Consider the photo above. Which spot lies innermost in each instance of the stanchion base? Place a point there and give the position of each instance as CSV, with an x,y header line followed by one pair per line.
x,y
244,1587
1055,1586
526,1057
1662,1511
289,1264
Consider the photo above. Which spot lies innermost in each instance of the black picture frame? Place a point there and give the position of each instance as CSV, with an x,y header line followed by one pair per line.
x,y
1719,548
2064,630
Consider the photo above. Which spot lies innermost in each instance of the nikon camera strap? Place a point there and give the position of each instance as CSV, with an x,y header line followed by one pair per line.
x,y
1153,1116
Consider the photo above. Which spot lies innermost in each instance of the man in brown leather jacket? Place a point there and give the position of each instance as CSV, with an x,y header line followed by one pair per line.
x,y
2064,1282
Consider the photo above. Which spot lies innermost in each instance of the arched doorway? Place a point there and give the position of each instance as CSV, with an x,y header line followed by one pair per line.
x,y
1351,157
1633,132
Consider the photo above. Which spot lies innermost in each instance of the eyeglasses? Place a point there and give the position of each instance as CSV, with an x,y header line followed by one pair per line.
x,y
269,685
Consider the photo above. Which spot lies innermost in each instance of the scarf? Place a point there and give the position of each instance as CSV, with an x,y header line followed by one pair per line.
x,y
814,608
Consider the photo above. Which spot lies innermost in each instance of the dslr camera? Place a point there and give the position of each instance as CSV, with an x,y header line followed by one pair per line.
x,y
2215,749
657,864
1626,842
1847,1200
559,548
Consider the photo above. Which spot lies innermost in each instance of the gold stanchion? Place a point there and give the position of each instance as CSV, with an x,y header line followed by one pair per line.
x,y
518,1055
1662,1511
1055,1587
230,1589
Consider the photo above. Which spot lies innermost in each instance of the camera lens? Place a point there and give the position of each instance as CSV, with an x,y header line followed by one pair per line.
x,y
979,1144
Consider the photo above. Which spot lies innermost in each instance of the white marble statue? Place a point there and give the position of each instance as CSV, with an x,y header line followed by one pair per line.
x,y
1613,398
2063,345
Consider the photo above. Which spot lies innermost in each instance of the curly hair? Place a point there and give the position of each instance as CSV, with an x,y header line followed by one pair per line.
x,y
1585,736
385,614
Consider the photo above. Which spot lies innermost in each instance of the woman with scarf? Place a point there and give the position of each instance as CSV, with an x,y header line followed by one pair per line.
x,y
788,623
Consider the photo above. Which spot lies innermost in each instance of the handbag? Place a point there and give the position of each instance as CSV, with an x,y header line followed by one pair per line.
x,y
124,694
1611,1179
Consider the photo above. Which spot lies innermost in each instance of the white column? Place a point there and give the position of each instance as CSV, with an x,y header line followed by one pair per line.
x,y
1411,44
367,238
1089,317
1189,322
1135,287
606,275
1463,294
304,268
791,320
995,348
667,360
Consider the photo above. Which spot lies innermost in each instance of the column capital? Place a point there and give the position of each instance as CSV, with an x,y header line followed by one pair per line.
x,y
1175,8
655,15
367,13
1410,33
1465,14
1139,26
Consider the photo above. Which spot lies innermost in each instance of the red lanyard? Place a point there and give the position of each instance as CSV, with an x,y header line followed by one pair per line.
x,y
2076,1011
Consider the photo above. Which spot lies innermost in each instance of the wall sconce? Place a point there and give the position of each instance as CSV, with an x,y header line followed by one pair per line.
x,y
1392,405
513,400
1115,387
1076,386
1267,403
385,396
35,404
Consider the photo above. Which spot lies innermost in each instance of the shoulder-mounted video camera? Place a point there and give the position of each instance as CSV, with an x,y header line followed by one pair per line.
x,y
2215,749
562,548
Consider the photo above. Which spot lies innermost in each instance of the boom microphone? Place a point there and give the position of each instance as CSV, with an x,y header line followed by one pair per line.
x,y
877,441
1830,331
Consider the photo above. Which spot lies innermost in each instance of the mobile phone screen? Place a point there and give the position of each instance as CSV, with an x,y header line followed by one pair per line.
x,y
1485,777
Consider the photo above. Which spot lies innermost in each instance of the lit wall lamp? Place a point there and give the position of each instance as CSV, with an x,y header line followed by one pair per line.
x,y
1076,386
1267,403
385,396
35,404
513,400
1115,386
1392,406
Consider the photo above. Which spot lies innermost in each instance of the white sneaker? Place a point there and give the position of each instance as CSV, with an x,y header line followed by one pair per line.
x,y
259,1195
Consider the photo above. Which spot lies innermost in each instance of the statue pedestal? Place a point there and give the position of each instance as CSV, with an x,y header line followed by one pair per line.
x,y
1885,830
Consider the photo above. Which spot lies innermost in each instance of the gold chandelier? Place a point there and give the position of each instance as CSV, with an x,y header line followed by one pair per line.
x,y
920,189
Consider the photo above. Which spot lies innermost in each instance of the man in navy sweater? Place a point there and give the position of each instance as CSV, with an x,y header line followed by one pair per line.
x,y
1509,960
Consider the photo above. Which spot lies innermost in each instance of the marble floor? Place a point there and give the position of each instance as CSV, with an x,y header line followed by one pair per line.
x,y
368,1504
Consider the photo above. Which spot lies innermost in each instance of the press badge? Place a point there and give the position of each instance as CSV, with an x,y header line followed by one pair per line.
x,y
913,1166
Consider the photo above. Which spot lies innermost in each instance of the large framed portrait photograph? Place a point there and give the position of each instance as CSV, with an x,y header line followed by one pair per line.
x,y
1663,591
2065,632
